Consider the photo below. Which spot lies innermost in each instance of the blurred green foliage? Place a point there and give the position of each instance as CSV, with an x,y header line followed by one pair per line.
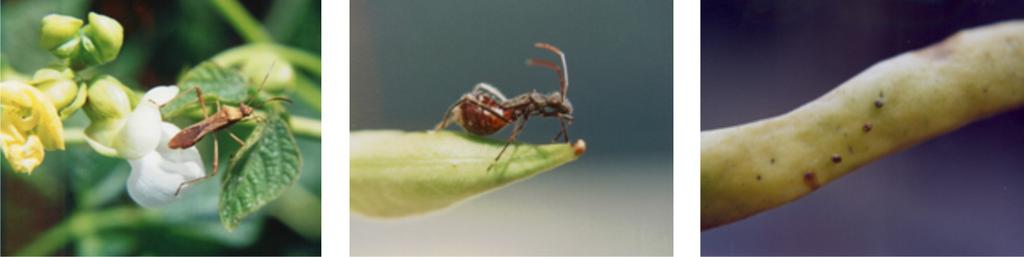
x,y
76,203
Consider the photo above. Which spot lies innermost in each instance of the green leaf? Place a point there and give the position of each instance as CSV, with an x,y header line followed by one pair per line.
x,y
217,83
260,171
396,173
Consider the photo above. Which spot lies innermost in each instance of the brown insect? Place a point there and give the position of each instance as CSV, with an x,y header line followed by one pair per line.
x,y
485,110
224,118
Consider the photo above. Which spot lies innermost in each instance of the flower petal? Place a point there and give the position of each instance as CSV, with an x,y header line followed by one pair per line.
x,y
140,134
160,95
32,112
23,154
156,176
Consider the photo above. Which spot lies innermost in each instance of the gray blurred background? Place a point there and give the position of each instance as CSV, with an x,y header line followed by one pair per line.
x,y
413,59
959,194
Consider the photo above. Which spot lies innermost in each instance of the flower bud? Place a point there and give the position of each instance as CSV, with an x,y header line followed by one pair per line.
x,y
279,74
133,135
58,30
108,99
107,36
96,43
60,87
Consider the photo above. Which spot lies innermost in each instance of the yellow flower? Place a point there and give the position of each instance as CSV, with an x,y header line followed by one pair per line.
x,y
60,86
29,124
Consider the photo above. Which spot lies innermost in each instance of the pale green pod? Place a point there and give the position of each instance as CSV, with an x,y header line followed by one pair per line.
x,y
396,173
890,106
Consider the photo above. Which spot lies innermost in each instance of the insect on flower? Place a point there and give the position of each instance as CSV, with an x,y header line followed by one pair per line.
x,y
224,118
485,110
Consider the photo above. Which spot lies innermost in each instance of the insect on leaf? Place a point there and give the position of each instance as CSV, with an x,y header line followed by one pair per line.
x,y
217,83
396,173
260,172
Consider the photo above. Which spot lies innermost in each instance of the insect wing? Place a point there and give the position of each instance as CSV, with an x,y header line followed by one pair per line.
x,y
189,136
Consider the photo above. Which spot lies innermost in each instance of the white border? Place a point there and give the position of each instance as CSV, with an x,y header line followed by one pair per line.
x,y
334,159
686,126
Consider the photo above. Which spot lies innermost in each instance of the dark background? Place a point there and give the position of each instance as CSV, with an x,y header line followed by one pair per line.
x,y
412,59
959,194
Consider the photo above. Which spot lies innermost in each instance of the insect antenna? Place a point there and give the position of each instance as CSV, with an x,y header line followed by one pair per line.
x,y
563,71
260,88
276,98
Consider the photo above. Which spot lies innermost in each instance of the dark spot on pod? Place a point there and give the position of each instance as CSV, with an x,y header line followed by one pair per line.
x,y
867,127
772,161
758,177
811,181
879,103
836,158
849,148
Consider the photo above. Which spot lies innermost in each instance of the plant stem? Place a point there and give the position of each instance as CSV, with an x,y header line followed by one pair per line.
x,y
83,224
300,58
300,210
243,22
74,136
305,126
305,90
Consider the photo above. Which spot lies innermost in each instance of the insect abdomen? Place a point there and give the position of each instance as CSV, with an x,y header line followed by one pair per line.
x,y
480,121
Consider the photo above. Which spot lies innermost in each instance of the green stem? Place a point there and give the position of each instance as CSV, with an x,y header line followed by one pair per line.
x,y
305,126
84,224
307,92
299,209
243,22
305,89
300,58
74,136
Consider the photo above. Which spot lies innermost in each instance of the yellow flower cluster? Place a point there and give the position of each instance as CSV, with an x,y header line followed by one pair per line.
x,y
29,124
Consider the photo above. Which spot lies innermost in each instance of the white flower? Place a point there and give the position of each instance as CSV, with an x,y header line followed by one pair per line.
x,y
156,176
115,132
157,170
138,136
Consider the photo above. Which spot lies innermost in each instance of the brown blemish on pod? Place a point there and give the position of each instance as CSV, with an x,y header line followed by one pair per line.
x,y
811,181
836,158
772,161
867,127
758,177
879,103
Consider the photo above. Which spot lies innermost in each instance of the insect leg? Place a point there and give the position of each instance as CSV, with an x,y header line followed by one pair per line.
x,y
565,120
216,152
236,138
216,163
489,89
202,102
447,114
511,138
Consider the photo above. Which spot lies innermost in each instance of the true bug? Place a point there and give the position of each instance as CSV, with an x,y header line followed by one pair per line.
x,y
485,110
224,118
